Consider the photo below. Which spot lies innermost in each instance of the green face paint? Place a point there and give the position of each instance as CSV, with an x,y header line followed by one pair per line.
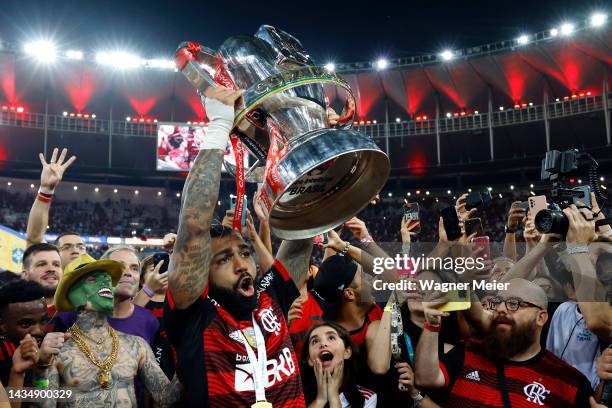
x,y
94,291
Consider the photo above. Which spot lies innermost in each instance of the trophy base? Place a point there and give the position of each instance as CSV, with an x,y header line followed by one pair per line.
x,y
327,177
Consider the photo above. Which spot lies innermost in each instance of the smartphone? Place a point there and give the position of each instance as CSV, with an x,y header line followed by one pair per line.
x,y
474,225
482,242
524,205
536,204
450,221
411,215
244,208
161,256
457,300
321,239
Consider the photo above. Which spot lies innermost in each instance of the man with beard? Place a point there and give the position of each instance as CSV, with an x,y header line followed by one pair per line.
x,y
229,330
508,368
42,264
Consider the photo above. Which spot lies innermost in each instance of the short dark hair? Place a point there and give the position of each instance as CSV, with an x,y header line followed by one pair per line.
x,y
63,234
220,231
34,249
19,291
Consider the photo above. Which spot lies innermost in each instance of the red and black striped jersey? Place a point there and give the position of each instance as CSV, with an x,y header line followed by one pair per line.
x,y
359,335
213,363
542,381
7,349
311,315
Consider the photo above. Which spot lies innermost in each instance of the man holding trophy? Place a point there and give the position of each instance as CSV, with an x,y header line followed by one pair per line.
x,y
229,328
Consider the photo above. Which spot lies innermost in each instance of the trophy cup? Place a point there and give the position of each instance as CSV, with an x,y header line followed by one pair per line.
x,y
314,177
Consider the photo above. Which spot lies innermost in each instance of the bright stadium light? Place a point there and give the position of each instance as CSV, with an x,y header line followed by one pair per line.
x,y
74,54
119,59
43,50
598,19
554,32
381,64
523,39
160,63
567,28
447,55
330,67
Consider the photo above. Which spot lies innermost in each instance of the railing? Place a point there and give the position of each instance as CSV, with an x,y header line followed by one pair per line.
x,y
508,117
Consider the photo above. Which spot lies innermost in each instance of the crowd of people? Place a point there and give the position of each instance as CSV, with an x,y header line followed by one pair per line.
x,y
228,318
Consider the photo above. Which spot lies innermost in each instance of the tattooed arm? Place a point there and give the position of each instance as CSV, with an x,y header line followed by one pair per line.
x,y
295,257
163,391
188,271
52,375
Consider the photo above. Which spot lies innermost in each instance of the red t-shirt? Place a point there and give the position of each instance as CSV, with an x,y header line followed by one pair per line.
x,y
359,334
311,315
213,363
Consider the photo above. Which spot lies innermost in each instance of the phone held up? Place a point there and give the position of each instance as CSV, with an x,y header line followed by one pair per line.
x,y
411,216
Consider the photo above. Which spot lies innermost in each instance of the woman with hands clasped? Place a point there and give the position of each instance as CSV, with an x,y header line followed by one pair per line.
x,y
329,370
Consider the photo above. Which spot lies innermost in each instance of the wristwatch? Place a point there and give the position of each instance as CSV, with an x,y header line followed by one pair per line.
x,y
509,230
417,399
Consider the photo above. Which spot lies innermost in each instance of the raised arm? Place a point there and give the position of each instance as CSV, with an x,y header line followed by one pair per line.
x,y
427,371
378,342
515,216
189,263
295,257
50,177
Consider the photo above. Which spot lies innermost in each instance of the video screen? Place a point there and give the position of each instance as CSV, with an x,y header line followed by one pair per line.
x,y
178,145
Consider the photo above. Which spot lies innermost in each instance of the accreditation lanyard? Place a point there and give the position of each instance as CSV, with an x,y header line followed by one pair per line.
x,y
258,364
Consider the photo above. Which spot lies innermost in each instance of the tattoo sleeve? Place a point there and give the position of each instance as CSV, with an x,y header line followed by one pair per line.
x,y
163,391
295,257
191,257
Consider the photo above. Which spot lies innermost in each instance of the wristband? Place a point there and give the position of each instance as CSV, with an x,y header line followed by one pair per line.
x,y
45,190
45,198
431,327
577,249
388,308
41,383
366,239
221,120
345,250
148,291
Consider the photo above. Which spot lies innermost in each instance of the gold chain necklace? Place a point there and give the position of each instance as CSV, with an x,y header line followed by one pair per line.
x,y
99,343
104,374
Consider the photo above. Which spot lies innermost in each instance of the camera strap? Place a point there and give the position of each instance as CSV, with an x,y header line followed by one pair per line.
x,y
605,221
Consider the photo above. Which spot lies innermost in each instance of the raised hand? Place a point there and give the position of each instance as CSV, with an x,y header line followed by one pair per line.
x,y
321,377
26,355
406,377
169,240
406,228
461,211
53,171
157,281
260,209
581,226
334,242
295,311
515,215
51,346
358,228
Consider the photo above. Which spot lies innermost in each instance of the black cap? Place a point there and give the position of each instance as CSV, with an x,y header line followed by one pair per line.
x,y
335,274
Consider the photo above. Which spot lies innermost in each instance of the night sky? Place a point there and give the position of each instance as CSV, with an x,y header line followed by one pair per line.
x,y
344,31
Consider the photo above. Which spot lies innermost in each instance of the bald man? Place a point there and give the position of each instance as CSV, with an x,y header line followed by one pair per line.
x,y
508,367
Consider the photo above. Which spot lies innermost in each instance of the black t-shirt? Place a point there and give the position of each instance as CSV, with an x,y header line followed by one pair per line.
x,y
213,364
162,348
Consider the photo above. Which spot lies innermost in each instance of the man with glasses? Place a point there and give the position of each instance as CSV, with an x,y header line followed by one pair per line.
x,y
507,368
71,246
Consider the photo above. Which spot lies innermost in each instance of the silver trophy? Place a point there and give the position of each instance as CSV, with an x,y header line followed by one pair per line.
x,y
314,177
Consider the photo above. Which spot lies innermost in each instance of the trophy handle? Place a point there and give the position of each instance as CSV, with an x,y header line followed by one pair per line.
x,y
199,65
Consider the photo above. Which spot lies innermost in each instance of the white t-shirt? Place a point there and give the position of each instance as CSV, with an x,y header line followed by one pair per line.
x,y
369,396
571,341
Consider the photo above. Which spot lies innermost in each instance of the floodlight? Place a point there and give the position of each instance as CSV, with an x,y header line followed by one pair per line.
x,y
43,50
447,55
330,67
598,19
381,64
523,39
567,28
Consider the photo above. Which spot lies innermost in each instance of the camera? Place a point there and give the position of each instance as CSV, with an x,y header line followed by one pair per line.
x,y
561,168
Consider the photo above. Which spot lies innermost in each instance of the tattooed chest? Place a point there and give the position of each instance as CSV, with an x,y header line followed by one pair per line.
x,y
78,372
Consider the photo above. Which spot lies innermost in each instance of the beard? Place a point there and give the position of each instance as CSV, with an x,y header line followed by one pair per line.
x,y
503,345
240,307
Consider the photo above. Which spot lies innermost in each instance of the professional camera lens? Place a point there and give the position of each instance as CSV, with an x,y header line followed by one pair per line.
x,y
551,222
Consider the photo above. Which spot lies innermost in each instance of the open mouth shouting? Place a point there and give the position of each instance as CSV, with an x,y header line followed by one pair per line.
x,y
326,358
245,286
105,293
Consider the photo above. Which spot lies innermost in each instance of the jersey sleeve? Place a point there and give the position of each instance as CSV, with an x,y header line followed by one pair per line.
x,y
451,363
278,284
